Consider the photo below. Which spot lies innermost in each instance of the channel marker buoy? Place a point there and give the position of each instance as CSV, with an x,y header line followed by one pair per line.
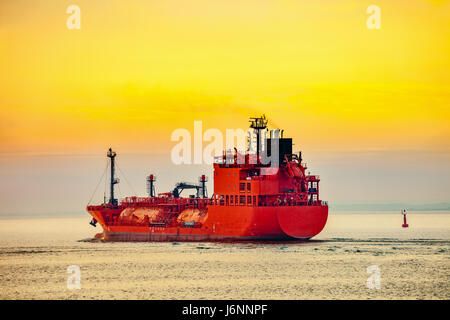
x,y
404,225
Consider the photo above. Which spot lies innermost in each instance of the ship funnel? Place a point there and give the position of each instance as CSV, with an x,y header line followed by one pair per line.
x,y
275,134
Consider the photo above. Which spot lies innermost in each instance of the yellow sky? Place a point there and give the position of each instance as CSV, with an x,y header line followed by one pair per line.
x,y
137,70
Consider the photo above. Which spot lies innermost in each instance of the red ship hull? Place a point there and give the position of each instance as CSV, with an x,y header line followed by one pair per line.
x,y
228,223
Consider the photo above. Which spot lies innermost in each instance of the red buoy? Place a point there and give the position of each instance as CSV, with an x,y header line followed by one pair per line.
x,y
404,225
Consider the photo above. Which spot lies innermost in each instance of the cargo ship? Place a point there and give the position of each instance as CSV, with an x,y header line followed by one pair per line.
x,y
252,201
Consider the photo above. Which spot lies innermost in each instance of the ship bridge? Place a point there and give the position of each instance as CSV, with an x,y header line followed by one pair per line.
x,y
249,179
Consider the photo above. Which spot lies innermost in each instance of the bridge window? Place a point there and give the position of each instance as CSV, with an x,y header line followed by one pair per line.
x,y
242,200
227,200
242,187
249,200
249,187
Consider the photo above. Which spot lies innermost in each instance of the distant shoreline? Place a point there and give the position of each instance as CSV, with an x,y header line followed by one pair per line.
x,y
444,206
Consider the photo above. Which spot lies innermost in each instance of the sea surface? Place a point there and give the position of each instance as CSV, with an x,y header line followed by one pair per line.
x,y
359,255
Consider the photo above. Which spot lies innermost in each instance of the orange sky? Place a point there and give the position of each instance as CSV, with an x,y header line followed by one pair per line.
x,y
137,70
144,69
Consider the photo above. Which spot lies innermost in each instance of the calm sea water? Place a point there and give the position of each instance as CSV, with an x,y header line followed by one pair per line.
x,y
67,230
415,263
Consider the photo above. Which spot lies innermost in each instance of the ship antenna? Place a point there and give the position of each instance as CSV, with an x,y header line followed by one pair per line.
x,y
258,124
112,155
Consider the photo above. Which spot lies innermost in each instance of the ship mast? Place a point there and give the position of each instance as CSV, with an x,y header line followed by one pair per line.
x,y
111,154
151,185
258,124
